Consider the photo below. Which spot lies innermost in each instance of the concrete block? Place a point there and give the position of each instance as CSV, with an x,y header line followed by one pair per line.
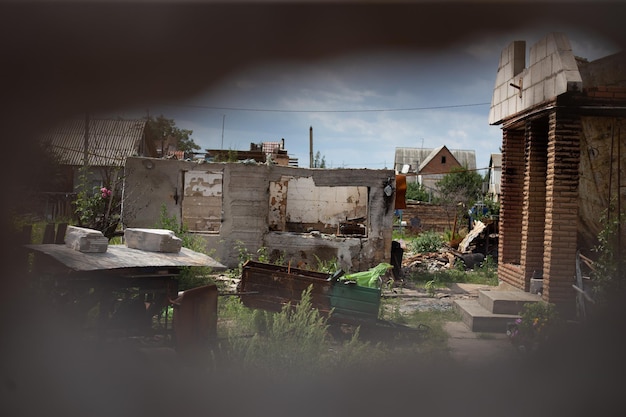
x,y
86,240
153,240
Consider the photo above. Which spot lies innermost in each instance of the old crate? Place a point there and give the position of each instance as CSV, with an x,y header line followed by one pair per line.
x,y
270,287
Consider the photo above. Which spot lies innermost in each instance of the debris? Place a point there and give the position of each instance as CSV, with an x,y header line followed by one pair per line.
x,y
153,240
473,234
86,240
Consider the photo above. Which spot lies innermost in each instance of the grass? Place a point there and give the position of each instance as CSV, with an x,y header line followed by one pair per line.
x,y
298,341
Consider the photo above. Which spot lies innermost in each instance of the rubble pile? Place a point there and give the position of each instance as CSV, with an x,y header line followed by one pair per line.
x,y
429,261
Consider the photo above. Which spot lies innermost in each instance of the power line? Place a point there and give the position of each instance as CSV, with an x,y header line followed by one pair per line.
x,y
250,109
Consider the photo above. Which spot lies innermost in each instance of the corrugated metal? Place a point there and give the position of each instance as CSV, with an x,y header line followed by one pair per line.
x,y
416,156
109,141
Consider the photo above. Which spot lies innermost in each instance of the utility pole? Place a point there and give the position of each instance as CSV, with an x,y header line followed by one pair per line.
x,y
86,141
311,147
223,118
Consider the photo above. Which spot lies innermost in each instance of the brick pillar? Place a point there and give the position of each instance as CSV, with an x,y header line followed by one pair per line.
x,y
510,227
534,206
561,207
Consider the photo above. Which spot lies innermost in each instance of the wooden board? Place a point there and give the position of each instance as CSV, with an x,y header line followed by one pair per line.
x,y
120,256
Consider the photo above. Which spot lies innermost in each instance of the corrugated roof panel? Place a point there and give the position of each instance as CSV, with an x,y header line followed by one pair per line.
x,y
110,142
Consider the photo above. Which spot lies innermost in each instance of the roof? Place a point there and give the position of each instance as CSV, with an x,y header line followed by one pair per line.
x,y
121,256
109,141
416,157
495,161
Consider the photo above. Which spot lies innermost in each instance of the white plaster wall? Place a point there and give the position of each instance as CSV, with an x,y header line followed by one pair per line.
x,y
308,203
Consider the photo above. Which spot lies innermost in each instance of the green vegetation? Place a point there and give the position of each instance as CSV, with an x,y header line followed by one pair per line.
x,y
609,274
416,192
486,274
538,322
428,241
99,207
193,276
460,186
162,128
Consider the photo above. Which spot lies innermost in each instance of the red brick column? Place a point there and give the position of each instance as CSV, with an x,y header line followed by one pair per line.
x,y
510,228
561,207
534,206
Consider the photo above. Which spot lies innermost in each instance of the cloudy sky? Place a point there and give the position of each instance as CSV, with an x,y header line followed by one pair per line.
x,y
362,107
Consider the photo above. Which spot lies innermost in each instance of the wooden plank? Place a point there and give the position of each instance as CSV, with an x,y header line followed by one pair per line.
x,y
120,256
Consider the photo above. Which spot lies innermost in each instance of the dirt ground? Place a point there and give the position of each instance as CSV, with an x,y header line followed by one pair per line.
x,y
465,347
412,298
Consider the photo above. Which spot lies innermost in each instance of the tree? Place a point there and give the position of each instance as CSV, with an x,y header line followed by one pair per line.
x,y
163,128
320,161
416,191
460,186
458,191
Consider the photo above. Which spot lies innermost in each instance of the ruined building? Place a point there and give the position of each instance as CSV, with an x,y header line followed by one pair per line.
x,y
563,132
301,216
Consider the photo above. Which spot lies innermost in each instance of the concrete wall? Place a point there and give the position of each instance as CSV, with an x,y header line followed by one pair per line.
x,y
551,71
295,213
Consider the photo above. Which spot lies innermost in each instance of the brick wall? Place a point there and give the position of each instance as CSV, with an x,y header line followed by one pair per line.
x,y
561,206
533,219
606,92
428,216
512,196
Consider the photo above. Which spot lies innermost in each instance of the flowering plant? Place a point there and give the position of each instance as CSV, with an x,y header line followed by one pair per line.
x,y
97,207
536,323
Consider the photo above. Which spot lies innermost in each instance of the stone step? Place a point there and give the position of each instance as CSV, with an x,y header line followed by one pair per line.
x,y
506,302
478,319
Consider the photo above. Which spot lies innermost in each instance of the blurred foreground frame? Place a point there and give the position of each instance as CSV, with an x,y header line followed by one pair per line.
x,y
66,58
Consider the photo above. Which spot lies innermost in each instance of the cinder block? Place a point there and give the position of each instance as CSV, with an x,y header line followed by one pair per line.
x,y
153,240
86,240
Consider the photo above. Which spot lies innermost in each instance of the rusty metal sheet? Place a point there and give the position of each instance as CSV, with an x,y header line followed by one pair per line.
x,y
120,256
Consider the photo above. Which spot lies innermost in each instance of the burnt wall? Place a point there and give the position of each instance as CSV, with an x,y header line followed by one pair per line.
x,y
248,200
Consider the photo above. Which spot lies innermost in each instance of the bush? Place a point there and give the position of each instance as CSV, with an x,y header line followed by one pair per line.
x,y
537,323
293,341
427,242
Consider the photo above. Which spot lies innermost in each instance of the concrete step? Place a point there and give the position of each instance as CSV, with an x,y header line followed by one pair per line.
x,y
478,319
506,302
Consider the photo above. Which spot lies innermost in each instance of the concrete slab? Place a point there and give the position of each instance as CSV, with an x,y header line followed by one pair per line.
x,y
477,349
85,240
478,319
153,240
506,302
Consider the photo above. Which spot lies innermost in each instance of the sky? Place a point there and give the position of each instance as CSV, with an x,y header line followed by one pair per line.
x,y
362,107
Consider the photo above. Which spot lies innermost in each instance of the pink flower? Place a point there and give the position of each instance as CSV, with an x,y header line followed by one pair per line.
x,y
105,192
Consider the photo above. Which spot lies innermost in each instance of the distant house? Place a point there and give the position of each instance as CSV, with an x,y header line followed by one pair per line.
x,y
427,166
100,145
494,176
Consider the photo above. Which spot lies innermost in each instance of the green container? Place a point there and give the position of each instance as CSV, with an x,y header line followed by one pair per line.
x,y
356,301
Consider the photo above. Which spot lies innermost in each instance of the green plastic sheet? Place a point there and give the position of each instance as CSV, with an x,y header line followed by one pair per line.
x,y
369,278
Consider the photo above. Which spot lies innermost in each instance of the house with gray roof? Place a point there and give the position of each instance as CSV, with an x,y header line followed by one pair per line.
x,y
99,145
427,166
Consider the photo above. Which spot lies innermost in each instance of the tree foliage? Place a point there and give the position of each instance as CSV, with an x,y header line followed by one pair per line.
x,y
163,128
416,192
319,161
460,186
